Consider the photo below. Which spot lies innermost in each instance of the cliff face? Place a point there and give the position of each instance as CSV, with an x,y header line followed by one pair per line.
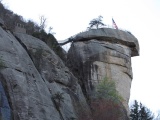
x,y
34,82
101,53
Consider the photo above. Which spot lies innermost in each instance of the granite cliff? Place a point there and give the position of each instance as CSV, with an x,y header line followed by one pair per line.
x,y
35,84
100,53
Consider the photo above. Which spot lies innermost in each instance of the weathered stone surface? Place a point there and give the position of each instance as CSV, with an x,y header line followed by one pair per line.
x,y
111,35
101,53
57,77
32,74
5,109
28,94
1,22
35,84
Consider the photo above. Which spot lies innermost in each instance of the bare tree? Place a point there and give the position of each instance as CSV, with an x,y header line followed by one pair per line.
x,y
42,22
50,30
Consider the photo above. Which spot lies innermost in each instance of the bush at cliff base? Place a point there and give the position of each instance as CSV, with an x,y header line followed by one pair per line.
x,y
106,103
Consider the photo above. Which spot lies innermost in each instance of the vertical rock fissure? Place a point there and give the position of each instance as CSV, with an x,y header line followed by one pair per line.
x,y
24,46
57,108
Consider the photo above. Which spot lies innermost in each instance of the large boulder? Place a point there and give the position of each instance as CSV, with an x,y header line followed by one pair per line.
x,y
96,54
36,82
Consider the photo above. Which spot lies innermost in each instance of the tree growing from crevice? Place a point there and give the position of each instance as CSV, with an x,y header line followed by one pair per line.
x,y
58,99
106,103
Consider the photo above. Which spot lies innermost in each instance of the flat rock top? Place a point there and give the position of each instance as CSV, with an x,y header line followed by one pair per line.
x,y
111,35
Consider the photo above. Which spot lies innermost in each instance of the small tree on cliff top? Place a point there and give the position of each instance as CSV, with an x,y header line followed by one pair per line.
x,y
42,22
97,22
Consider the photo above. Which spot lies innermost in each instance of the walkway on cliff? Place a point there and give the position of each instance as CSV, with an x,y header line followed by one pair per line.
x,y
73,38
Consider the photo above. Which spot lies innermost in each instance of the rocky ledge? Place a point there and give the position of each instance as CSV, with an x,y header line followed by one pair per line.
x,y
111,35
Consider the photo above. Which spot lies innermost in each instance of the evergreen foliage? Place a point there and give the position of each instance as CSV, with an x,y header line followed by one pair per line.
x,y
134,112
106,104
97,22
106,89
140,112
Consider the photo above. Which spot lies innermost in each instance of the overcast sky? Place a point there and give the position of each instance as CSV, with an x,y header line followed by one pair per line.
x,y
141,17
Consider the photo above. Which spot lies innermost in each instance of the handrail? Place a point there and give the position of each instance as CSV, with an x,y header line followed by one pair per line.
x,y
70,39
110,26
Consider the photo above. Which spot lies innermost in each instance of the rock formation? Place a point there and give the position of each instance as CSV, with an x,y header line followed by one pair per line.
x,y
100,53
34,82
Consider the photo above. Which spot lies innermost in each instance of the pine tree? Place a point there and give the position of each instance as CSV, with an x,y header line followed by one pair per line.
x,y
140,112
96,22
145,113
134,112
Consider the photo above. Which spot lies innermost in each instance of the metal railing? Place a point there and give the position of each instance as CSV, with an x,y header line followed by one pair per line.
x,y
110,26
106,26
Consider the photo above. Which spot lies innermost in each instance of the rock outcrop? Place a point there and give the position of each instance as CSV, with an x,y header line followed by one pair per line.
x,y
34,82
100,53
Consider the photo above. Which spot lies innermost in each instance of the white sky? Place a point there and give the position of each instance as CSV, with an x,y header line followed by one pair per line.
x,y
141,17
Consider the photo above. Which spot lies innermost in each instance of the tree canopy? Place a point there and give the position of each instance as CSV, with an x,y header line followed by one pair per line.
x,y
139,112
96,22
106,103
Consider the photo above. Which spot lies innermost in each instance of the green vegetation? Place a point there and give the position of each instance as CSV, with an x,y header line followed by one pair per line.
x,y
106,104
140,112
97,22
57,99
107,90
